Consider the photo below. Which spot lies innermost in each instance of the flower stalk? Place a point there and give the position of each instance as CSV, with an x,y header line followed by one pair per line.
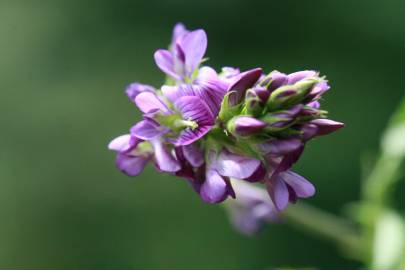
x,y
300,215
326,225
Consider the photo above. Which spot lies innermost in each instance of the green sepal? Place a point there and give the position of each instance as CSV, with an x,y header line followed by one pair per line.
x,y
226,112
143,148
231,126
170,81
266,81
287,133
218,139
272,118
245,147
315,114
252,105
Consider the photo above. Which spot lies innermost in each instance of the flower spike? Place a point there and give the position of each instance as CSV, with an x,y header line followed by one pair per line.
x,y
221,132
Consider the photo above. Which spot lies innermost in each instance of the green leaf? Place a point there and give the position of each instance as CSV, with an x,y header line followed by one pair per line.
x,y
393,142
389,241
388,167
384,229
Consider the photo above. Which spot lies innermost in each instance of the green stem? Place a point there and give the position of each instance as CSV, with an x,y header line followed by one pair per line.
x,y
384,174
329,226
314,221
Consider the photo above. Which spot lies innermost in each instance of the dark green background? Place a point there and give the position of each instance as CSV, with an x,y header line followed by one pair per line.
x,y
63,69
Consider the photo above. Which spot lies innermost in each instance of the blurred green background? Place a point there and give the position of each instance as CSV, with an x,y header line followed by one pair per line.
x,y
63,68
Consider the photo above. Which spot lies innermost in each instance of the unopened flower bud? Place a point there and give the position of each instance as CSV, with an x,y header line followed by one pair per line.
x,y
274,80
289,95
300,75
278,121
280,147
253,106
134,89
308,131
260,92
256,98
318,90
281,119
245,125
229,72
326,126
309,113
314,104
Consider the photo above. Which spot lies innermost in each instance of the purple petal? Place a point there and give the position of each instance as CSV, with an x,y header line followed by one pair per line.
x,y
135,89
206,74
246,125
277,79
293,111
121,143
193,155
309,131
244,221
314,104
174,92
149,102
179,59
249,219
146,130
188,136
194,109
228,75
326,126
131,165
243,82
186,170
292,196
284,163
214,189
210,91
262,93
280,147
290,159
278,192
258,175
164,60
297,76
251,208
229,72
193,44
208,79
165,161
301,186
212,97
179,30
198,179
235,166
319,89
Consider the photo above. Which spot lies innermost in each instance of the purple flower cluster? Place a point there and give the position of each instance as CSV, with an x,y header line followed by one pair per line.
x,y
209,128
